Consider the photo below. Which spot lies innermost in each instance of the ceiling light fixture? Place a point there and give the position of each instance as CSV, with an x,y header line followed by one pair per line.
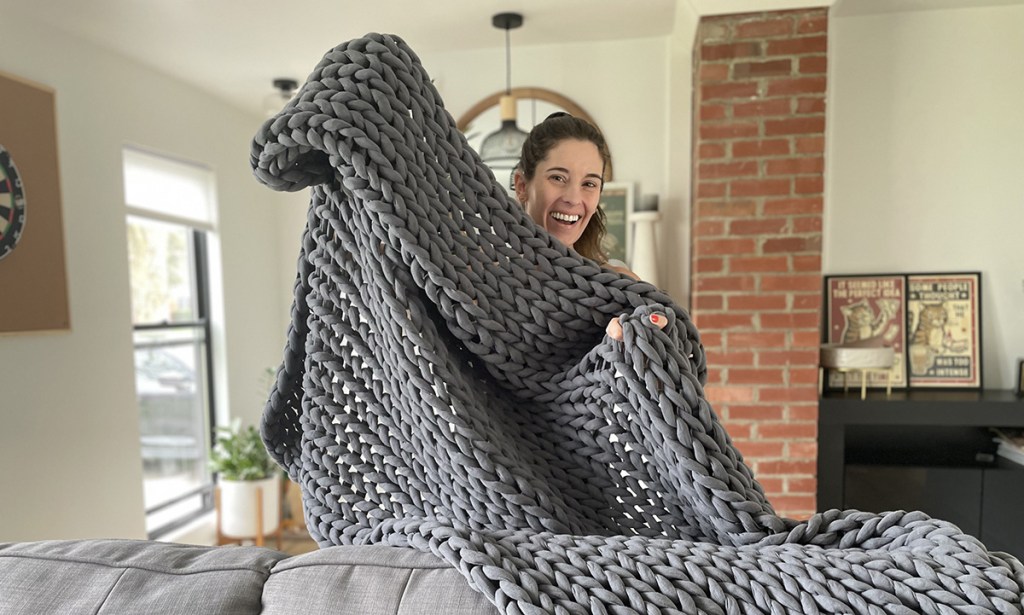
x,y
284,90
501,149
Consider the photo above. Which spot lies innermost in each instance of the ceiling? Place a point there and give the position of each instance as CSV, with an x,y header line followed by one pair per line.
x,y
235,48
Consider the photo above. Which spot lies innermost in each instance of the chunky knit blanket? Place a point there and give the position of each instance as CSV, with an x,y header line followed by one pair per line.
x,y
448,386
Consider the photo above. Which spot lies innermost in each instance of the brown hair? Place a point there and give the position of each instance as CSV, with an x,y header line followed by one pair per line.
x,y
556,128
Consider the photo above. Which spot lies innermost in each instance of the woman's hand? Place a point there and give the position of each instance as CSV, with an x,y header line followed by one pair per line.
x,y
614,328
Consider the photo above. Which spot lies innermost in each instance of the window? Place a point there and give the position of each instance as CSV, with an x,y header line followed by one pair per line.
x,y
169,214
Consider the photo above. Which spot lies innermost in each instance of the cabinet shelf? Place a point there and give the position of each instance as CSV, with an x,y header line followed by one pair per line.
x,y
926,450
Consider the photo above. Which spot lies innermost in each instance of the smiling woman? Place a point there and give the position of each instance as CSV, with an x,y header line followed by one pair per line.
x,y
559,180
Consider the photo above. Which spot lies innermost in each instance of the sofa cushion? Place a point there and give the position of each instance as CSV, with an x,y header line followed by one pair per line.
x,y
131,576
370,580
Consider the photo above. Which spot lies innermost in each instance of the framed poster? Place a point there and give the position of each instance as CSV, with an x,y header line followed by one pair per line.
x,y
32,273
944,333
617,203
868,310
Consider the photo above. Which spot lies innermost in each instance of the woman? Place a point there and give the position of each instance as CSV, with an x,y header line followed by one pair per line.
x,y
558,181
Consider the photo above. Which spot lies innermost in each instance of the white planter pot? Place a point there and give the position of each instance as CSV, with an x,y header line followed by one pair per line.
x,y
238,512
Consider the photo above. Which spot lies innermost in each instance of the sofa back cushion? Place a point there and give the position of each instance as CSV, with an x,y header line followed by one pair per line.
x,y
131,576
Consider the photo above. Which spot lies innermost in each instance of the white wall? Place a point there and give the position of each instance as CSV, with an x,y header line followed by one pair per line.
x,y
925,153
69,449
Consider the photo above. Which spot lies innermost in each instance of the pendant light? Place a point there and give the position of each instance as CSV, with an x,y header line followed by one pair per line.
x,y
285,89
500,150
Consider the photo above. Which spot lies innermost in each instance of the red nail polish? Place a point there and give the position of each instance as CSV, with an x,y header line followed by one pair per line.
x,y
656,319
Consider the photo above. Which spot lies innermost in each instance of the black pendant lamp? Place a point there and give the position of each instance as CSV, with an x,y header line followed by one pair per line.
x,y
500,150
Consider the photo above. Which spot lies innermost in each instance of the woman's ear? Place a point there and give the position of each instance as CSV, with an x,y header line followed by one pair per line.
x,y
519,182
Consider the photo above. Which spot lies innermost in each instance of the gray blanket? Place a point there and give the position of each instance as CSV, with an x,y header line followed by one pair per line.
x,y
447,386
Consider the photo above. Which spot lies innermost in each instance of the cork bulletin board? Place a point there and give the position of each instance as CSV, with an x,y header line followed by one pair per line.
x,y
33,278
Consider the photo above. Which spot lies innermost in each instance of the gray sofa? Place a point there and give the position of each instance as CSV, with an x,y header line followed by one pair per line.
x,y
102,577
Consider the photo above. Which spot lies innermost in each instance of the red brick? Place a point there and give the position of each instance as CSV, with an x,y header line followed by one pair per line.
x,y
764,28
755,412
771,484
753,70
711,150
743,339
711,189
787,357
712,112
787,430
790,282
757,302
729,393
809,185
726,321
810,145
806,339
795,166
800,205
759,187
767,147
794,126
712,340
717,170
811,65
803,450
807,301
725,283
763,108
726,51
716,376
787,467
730,359
736,431
757,263
798,507
807,224
709,302
789,320
797,46
708,228
729,130
727,91
758,226
713,72
810,104
801,484
706,247
792,244
798,85
725,209
788,394
812,24
807,375
760,449
755,376
709,265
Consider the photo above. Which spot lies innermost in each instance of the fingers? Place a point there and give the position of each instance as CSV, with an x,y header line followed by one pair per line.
x,y
614,328
659,320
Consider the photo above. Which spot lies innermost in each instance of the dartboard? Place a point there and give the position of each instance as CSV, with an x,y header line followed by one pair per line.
x,y
12,204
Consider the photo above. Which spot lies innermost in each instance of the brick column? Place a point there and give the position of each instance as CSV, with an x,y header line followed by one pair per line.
x,y
759,126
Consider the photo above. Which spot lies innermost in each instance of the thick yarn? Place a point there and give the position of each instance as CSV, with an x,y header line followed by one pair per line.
x,y
447,386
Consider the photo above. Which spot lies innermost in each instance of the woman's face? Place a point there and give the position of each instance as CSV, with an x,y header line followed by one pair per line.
x,y
565,189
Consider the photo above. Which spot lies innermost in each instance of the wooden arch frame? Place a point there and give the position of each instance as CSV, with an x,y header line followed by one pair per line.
x,y
525,93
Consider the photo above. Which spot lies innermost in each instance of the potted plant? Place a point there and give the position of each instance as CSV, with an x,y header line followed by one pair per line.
x,y
249,483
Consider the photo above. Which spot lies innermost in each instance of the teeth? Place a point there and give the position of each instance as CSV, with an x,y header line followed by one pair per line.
x,y
564,217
